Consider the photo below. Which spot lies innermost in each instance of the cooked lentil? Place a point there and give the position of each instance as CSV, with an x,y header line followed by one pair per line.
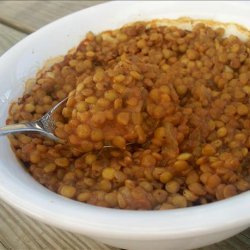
x,y
173,103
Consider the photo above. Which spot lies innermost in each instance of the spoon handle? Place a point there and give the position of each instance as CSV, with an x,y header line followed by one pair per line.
x,y
19,128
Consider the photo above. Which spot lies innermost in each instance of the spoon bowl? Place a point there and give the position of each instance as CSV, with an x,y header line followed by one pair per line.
x,y
44,126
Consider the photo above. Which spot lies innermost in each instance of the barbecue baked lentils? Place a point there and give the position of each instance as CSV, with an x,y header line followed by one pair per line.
x,y
173,103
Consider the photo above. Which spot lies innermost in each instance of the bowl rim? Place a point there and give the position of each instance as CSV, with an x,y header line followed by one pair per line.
x,y
88,219
175,223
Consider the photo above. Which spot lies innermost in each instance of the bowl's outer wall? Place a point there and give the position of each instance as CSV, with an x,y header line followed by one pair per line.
x,y
182,228
173,244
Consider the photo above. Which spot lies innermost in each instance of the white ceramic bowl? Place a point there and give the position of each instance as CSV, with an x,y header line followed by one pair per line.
x,y
176,229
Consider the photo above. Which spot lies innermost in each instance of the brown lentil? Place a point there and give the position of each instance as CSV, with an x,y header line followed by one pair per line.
x,y
173,104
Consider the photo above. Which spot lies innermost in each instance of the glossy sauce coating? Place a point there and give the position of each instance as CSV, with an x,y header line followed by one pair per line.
x,y
181,97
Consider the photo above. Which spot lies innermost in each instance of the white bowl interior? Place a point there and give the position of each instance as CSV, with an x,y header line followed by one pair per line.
x,y
20,190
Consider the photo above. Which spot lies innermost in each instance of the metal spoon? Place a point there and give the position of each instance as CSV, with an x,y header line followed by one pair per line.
x,y
44,126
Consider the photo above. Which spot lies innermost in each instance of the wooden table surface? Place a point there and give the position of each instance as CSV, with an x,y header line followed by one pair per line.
x,y
17,231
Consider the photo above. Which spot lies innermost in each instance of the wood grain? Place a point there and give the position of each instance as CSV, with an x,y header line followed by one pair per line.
x,y
17,231
28,16
8,37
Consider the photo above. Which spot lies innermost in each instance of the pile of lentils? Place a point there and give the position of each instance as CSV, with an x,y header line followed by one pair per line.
x,y
172,105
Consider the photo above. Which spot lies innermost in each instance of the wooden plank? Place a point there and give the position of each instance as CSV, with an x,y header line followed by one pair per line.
x,y
28,16
8,37
19,232
246,234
